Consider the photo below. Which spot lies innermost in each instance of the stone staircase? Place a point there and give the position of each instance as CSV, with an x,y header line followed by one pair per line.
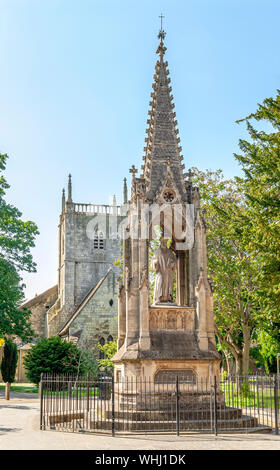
x,y
228,420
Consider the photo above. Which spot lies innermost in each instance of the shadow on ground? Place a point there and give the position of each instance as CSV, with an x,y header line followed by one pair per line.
x,y
5,430
18,407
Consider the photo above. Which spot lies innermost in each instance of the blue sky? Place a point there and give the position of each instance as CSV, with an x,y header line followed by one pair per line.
x,y
75,85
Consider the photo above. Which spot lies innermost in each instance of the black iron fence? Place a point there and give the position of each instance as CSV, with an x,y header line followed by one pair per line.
x,y
215,405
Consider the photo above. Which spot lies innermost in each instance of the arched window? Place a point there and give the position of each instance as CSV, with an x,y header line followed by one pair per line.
x,y
110,338
111,302
101,353
101,241
98,241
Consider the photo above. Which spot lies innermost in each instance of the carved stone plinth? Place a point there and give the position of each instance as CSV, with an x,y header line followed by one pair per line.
x,y
164,317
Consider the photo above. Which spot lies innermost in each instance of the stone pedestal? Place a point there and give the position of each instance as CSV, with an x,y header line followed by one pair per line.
x,y
174,350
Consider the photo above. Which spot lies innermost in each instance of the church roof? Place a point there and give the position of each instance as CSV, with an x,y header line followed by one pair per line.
x,y
162,150
53,291
84,302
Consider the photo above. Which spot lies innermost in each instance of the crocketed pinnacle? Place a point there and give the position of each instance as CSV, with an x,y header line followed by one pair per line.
x,y
162,150
69,199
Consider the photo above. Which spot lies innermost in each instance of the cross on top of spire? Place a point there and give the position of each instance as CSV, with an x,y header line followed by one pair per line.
x,y
162,33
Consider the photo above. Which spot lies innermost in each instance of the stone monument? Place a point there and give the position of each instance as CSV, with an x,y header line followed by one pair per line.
x,y
170,336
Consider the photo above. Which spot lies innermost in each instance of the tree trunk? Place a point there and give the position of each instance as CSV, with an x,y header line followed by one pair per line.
x,y
227,363
7,391
246,350
238,365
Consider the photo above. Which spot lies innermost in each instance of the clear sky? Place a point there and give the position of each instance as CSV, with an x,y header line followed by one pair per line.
x,y
75,85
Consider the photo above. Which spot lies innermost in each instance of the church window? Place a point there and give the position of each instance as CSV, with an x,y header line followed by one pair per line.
x,y
168,195
110,338
101,353
101,242
98,241
95,242
111,302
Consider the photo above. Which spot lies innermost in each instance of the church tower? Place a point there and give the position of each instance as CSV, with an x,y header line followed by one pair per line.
x,y
89,239
173,335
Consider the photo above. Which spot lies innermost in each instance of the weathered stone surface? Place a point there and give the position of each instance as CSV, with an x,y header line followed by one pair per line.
x,y
171,318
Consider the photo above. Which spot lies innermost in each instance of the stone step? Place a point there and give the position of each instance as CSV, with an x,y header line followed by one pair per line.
x,y
158,405
170,415
244,423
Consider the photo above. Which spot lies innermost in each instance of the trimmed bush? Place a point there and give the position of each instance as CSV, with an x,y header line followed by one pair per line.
x,y
55,356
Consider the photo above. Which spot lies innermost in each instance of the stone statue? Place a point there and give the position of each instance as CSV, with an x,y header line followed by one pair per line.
x,y
164,263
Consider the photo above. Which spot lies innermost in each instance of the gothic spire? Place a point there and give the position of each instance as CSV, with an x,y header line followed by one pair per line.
x,y
162,150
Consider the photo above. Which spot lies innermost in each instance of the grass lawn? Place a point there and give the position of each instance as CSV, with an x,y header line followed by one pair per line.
x,y
76,392
21,387
249,397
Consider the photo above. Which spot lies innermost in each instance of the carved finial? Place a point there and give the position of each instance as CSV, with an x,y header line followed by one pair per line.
x,y
69,199
190,174
161,35
114,200
124,191
133,170
63,200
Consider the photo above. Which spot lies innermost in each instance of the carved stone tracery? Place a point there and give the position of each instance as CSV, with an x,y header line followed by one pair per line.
x,y
171,319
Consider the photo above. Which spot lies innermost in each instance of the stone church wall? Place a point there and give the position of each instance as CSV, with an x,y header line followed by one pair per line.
x,y
82,264
99,318
38,306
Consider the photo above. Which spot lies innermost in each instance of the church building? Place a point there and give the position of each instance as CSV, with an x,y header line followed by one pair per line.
x,y
82,307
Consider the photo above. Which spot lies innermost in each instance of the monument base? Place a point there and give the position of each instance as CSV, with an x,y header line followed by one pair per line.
x,y
167,371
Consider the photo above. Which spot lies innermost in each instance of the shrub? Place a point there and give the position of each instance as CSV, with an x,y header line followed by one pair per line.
x,y
55,356
90,363
9,361
109,349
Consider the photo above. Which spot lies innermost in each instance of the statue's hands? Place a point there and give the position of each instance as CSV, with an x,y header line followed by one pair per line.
x,y
156,266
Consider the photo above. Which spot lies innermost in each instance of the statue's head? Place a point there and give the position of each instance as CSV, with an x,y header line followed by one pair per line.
x,y
163,242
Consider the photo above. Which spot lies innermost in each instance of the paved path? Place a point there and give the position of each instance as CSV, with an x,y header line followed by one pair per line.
x,y
19,429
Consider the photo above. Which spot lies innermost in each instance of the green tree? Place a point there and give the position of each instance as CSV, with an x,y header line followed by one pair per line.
x,y
9,365
232,269
13,321
109,350
266,349
16,240
260,162
53,355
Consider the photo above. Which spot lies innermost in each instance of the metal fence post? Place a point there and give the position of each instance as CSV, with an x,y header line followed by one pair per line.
x,y
87,392
215,407
177,407
113,406
276,404
41,394
258,402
